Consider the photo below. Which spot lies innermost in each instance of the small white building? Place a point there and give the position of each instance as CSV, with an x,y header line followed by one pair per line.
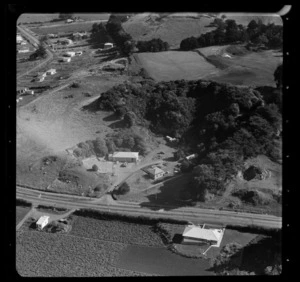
x,y
193,234
108,45
41,78
171,139
67,60
78,53
25,50
155,172
51,71
69,21
42,222
69,54
190,157
130,157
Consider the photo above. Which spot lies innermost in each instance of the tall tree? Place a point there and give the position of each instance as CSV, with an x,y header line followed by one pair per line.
x,y
278,76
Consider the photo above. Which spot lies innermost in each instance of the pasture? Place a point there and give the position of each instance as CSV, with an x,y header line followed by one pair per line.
x,y
21,211
172,28
175,65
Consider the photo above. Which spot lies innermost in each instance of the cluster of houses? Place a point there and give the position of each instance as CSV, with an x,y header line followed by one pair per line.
x,y
68,55
23,91
21,42
79,35
41,77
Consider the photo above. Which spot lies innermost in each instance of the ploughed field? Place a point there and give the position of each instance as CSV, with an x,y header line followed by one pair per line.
x,y
99,247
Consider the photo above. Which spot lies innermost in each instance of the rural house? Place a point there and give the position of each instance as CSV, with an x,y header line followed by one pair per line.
x,y
155,172
22,90
65,60
171,139
51,71
190,157
42,222
69,21
108,45
195,234
130,157
23,50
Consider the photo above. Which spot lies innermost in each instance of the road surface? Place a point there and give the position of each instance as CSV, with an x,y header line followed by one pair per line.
x,y
196,215
34,41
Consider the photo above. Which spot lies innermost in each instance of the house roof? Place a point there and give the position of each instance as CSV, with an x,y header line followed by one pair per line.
x,y
42,219
126,155
154,171
200,233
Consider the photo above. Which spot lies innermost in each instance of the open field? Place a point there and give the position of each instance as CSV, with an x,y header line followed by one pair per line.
x,y
251,68
171,29
66,28
174,65
245,19
29,18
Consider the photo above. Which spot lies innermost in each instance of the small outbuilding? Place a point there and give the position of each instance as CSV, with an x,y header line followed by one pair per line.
x,y
108,45
69,54
190,157
69,21
42,222
130,157
51,71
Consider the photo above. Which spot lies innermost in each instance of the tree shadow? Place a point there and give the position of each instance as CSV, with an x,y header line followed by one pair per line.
x,y
170,159
112,117
168,195
177,239
261,252
92,107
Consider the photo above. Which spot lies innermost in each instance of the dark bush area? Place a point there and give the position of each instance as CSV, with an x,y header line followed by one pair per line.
x,y
227,124
20,202
256,35
126,218
51,208
153,45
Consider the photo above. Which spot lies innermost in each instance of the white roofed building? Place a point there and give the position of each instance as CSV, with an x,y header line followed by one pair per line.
x,y
196,234
130,157
42,222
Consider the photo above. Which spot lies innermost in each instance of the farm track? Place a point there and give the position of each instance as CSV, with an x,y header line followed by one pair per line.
x,y
190,214
35,43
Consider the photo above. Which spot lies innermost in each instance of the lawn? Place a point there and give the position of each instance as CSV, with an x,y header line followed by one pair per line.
x,y
175,65
21,212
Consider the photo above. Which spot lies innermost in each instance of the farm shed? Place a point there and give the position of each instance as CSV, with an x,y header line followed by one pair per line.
x,y
65,60
124,157
108,45
25,50
51,71
42,222
155,172
69,21
190,157
195,234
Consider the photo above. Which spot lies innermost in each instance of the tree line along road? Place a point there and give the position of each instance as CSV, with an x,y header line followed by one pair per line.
x,y
182,213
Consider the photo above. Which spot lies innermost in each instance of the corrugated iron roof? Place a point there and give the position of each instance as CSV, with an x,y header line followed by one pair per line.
x,y
200,233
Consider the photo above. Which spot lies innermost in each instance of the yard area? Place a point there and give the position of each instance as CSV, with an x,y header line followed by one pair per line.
x,y
21,211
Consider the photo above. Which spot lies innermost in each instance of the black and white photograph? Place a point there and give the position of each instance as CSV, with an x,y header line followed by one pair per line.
x,y
149,144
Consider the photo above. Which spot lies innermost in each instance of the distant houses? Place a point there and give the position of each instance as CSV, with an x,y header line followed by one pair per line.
x,y
79,35
130,157
24,90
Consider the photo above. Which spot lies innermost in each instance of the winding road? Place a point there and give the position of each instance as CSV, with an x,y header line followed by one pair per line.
x,y
34,41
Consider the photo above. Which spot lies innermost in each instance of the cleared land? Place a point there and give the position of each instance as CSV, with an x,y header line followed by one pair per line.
x,y
171,28
21,212
175,65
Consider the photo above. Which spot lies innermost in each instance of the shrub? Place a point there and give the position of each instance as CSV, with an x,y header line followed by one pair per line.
x,y
75,85
123,189
95,167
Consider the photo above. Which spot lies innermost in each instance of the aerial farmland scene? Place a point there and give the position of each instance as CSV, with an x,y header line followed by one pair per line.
x,y
148,144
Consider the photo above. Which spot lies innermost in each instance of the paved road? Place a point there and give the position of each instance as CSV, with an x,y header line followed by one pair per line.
x,y
195,215
34,41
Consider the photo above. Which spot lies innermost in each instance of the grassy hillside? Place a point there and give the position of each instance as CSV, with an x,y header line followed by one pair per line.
x,y
170,28
174,65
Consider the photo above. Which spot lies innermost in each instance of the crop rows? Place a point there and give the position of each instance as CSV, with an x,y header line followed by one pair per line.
x,y
52,255
117,231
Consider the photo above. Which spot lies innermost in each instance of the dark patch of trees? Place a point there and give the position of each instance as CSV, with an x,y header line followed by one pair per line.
x,y
153,45
229,32
228,123
65,16
40,53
